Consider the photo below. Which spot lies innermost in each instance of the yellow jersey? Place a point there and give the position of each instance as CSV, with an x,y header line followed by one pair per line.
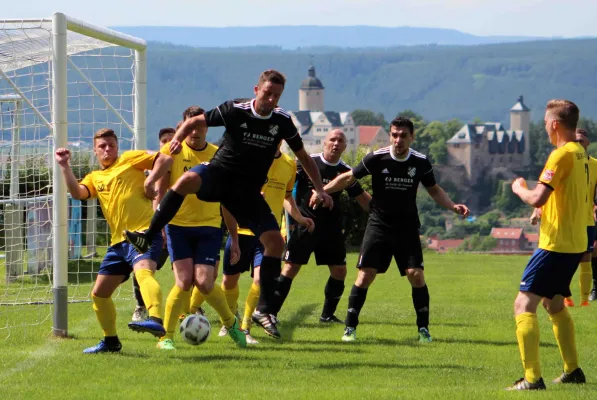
x,y
592,187
193,211
119,189
280,181
564,220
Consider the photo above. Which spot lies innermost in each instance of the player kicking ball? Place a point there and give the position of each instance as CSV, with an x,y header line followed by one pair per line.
x,y
393,225
125,196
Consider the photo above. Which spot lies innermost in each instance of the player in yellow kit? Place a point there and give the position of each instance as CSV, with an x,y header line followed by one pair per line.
x,y
278,194
563,193
194,238
125,196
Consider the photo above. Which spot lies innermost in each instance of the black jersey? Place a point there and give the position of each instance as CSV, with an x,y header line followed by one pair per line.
x,y
250,140
323,216
395,183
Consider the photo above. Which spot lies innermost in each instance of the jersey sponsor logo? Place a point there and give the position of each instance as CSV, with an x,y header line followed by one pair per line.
x,y
412,171
273,129
385,171
548,175
100,187
185,160
244,125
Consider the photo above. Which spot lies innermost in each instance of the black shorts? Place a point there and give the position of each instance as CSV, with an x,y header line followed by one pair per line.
x,y
163,257
381,244
242,199
328,245
251,255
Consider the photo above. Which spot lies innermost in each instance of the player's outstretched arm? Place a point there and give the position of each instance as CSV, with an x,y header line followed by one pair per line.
x,y
78,192
312,171
185,130
291,207
536,197
442,198
161,166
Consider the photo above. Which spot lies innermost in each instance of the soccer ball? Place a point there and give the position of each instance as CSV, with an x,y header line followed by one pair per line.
x,y
195,329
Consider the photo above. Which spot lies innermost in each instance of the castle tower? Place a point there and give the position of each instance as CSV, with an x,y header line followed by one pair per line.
x,y
520,120
311,93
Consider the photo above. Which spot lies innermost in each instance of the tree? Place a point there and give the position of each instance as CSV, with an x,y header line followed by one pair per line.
x,y
368,117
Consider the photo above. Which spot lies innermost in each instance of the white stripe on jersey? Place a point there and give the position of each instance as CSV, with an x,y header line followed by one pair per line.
x,y
315,155
346,165
417,154
280,110
383,150
246,105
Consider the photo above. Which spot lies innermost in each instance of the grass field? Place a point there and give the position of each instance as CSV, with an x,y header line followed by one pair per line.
x,y
474,354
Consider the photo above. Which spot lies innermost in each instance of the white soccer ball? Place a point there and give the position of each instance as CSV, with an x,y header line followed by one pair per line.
x,y
195,329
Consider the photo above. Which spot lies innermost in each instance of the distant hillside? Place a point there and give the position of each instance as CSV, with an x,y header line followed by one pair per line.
x,y
437,82
293,37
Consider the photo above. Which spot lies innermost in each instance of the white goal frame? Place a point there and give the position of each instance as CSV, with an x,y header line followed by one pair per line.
x,y
58,125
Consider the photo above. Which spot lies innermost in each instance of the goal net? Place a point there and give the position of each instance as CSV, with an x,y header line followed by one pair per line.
x,y
60,80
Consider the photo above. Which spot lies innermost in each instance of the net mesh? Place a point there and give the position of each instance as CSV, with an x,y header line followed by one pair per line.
x,y
100,93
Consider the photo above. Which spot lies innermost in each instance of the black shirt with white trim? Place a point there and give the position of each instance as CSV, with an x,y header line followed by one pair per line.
x,y
323,216
250,140
395,183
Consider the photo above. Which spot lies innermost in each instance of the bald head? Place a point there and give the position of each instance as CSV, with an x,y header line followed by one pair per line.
x,y
334,145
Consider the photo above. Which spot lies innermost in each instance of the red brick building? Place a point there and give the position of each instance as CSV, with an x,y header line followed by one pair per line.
x,y
513,239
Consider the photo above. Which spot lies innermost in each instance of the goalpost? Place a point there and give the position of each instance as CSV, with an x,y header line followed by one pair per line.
x,y
61,79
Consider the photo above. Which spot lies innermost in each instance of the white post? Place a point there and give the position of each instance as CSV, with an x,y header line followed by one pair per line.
x,y
15,153
140,111
60,201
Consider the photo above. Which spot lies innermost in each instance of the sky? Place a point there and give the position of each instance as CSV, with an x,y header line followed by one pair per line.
x,y
549,18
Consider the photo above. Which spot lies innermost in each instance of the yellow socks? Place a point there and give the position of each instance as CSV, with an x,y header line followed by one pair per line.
x,y
231,297
586,281
177,298
527,333
217,300
151,292
197,300
563,329
250,305
105,311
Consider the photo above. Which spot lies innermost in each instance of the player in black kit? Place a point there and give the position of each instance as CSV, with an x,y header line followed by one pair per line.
x,y
327,240
235,175
393,226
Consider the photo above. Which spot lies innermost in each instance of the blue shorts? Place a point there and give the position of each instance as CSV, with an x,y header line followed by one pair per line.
x,y
241,198
121,257
251,255
590,238
549,273
202,243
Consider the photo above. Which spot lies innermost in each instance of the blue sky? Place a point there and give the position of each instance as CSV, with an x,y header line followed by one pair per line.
x,y
567,18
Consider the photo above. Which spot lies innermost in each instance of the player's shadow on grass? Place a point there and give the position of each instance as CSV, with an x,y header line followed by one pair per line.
x,y
410,324
304,349
487,342
288,326
213,358
353,365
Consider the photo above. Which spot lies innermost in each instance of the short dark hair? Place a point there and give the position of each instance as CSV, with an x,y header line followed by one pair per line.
x,y
165,131
273,76
564,111
104,133
400,122
191,112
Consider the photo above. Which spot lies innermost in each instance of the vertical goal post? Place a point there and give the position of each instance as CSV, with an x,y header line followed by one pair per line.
x,y
53,43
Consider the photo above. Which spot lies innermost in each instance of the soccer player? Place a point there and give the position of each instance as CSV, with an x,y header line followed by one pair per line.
x,y
125,196
327,240
194,238
277,193
393,226
563,193
237,172
140,313
585,274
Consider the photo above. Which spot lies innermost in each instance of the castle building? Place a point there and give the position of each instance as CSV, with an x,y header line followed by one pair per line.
x,y
489,147
314,122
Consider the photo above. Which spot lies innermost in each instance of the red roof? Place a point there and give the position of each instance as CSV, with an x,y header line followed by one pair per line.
x,y
533,237
506,233
367,134
443,245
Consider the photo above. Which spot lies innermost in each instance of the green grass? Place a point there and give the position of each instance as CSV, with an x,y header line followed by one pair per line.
x,y
474,354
